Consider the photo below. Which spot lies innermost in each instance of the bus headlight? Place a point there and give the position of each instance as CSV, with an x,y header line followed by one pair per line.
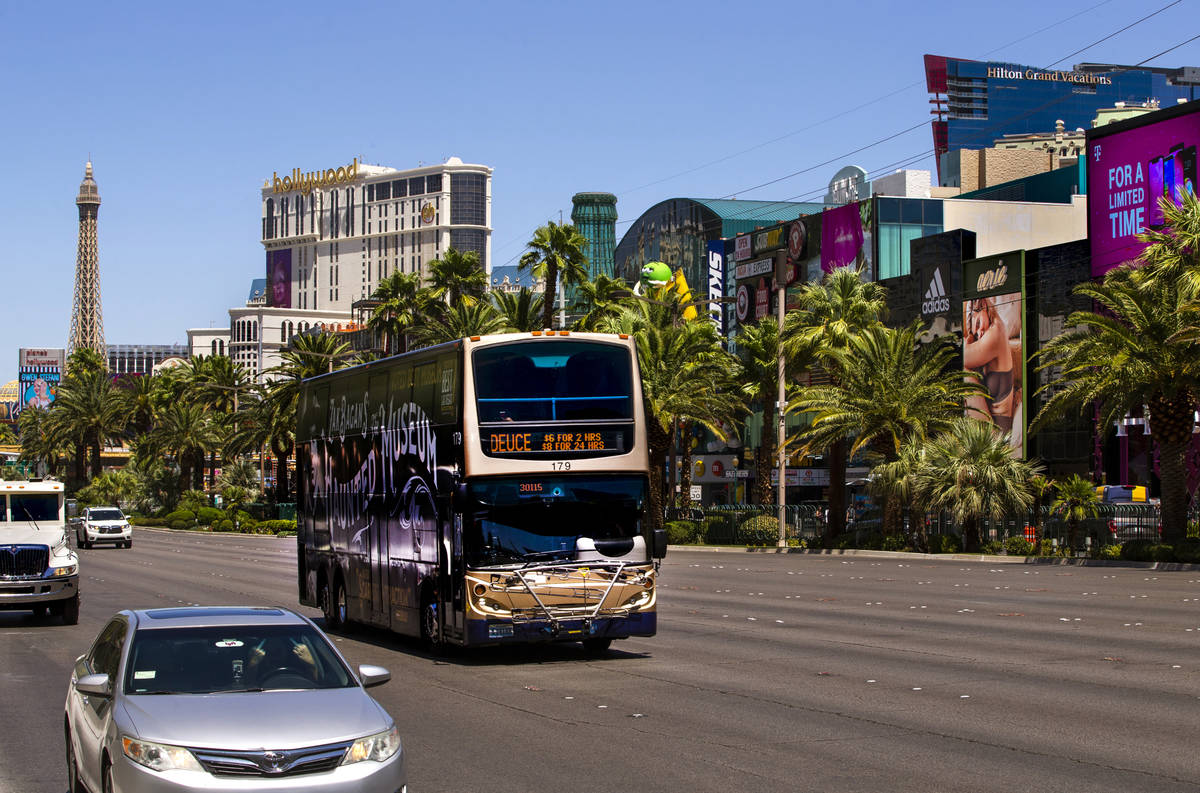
x,y
377,747
640,599
490,606
70,569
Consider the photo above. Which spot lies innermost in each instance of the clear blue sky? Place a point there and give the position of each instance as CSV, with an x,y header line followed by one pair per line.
x,y
186,108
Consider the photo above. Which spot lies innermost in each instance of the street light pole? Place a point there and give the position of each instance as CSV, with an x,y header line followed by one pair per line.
x,y
779,408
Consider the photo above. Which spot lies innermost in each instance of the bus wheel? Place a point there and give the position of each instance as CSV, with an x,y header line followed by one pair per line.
x,y
333,605
431,628
596,646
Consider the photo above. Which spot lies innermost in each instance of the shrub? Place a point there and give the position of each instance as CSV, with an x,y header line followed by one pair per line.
x,y
224,524
679,532
944,543
1046,547
1188,551
209,515
181,519
275,526
759,530
193,500
992,547
894,542
1137,551
1109,552
244,523
1018,546
717,529
151,522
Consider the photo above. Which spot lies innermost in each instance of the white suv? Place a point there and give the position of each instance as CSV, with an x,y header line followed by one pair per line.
x,y
103,524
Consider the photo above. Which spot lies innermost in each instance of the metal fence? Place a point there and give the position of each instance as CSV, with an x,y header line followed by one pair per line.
x,y
736,524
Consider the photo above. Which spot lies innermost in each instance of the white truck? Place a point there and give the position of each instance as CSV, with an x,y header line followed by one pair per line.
x,y
39,571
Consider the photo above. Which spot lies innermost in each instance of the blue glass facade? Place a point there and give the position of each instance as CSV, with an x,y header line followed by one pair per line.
x,y
980,101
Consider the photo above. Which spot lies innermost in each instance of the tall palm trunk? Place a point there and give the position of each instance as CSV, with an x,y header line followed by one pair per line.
x,y
764,457
972,539
659,441
548,304
1171,421
94,447
685,474
837,491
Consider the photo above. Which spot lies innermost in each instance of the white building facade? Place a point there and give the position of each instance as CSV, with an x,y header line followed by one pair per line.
x,y
331,236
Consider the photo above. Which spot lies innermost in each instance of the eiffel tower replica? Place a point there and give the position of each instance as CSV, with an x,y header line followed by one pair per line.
x,y
87,322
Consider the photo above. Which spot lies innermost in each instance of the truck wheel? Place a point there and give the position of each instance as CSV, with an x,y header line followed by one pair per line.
x,y
596,646
70,611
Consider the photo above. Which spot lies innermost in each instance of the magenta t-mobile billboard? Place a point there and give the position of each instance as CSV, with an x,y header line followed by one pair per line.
x,y
1130,165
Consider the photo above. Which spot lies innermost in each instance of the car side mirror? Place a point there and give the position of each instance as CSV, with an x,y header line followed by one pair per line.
x,y
660,543
373,675
94,685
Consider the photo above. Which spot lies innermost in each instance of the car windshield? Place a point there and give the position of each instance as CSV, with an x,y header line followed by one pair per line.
x,y
34,506
105,514
232,659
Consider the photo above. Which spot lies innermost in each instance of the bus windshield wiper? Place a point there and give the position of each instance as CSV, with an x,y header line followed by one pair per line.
x,y
534,556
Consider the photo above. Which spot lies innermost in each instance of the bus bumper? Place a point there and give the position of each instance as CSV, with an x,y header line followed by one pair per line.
x,y
485,631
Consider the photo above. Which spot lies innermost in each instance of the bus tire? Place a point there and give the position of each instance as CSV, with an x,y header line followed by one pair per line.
x,y
596,646
431,629
333,605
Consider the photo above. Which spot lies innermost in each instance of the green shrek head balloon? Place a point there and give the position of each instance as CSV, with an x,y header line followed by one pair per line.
x,y
656,274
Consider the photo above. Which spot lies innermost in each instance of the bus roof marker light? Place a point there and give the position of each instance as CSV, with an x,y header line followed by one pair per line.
x,y
623,335
564,333
535,332
474,338
550,332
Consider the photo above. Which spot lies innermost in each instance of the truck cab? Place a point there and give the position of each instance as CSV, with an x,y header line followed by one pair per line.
x,y
39,571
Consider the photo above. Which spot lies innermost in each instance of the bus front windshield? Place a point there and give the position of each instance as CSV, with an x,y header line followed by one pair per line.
x,y
516,520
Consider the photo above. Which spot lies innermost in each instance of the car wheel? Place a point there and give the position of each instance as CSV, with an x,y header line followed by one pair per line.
x,y
129,543
70,611
73,783
431,627
596,646
333,604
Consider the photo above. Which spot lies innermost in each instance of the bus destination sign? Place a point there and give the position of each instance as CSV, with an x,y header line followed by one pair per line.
x,y
503,443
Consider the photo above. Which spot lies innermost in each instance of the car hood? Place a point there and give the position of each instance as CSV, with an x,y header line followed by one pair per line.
x,y
25,533
97,523
256,720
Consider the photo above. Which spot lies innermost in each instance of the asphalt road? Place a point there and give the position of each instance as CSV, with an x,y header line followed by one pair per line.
x,y
769,673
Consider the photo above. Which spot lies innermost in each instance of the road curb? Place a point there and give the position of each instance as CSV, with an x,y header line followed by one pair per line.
x,y
954,557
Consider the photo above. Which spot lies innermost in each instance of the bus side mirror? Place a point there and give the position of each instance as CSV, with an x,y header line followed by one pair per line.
x,y
660,543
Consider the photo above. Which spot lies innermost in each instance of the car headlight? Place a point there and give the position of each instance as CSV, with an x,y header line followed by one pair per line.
x,y
159,756
377,747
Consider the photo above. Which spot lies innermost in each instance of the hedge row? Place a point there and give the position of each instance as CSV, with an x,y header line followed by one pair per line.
x,y
211,519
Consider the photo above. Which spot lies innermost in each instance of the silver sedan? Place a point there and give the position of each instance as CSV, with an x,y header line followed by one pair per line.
x,y
229,699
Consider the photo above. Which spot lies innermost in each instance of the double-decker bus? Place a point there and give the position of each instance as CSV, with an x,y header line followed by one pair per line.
x,y
485,491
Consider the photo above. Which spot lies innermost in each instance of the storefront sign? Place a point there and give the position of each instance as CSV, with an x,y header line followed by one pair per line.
x,y
762,299
743,302
754,268
742,248
42,357
769,239
716,284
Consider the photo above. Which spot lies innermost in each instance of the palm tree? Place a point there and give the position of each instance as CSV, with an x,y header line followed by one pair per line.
x,y
401,303
686,375
890,391
1040,487
40,443
522,311
216,383
186,431
1126,356
1076,500
972,473
90,410
599,299
459,320
759,349
457,276
556,250
831,311
275,414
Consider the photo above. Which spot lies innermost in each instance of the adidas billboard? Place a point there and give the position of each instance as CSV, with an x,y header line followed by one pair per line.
x,y
936,301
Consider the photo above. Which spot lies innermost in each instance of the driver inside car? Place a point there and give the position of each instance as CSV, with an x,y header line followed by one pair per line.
x,y
277,656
